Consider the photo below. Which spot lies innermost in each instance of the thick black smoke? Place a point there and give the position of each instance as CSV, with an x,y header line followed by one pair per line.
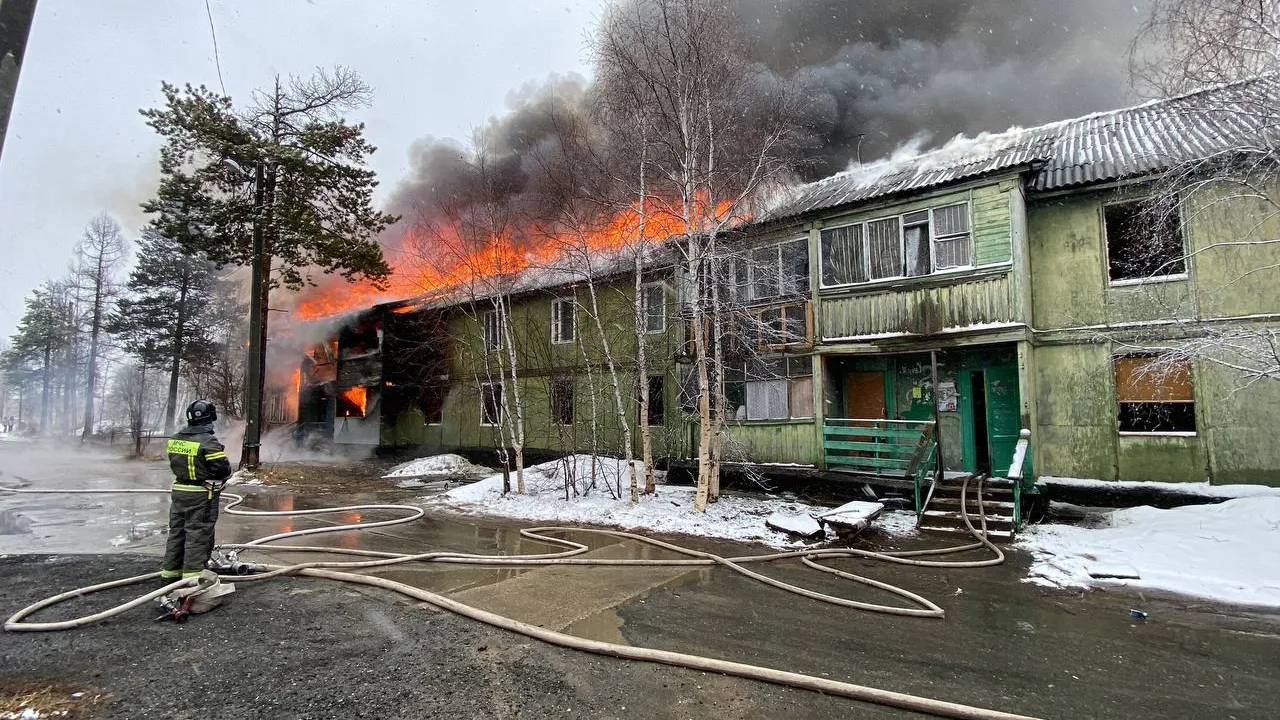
x,y
879,72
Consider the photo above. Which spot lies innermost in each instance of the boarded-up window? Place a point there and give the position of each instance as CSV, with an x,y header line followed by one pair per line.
x,y
1154,394
1144,239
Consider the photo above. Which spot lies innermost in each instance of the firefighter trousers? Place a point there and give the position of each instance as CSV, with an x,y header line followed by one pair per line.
x,y
192,515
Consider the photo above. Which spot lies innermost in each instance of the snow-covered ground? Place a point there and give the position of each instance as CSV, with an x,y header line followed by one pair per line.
x,y
1227,552
669,511
439,466
1199,489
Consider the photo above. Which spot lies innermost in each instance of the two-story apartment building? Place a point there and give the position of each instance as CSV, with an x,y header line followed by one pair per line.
x,y
1014,281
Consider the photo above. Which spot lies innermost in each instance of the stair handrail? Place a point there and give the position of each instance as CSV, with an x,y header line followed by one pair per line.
x,y
1015,474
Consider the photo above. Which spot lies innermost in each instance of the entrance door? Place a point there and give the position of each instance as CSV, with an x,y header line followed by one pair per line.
x,y
1004,416
864,395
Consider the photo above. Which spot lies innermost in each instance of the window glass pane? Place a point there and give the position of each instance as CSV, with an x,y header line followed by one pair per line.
x,y
885,247
920,216
954,252
843,259
801,398
916,239
795,267
1144,239
655,311
771,327
767,399
796,329
492,331
951,220
562,320
765,279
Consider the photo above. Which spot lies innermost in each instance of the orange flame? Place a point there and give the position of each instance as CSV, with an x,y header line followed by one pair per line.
x,y
357,397
441,265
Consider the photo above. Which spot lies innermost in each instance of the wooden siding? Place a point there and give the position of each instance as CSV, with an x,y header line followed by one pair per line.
x,y
781,442
991,224
919,310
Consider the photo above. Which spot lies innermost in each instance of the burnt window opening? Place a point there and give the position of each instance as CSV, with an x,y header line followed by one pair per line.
x,y
561,393
491,404
657,414
361,340
1144,239
352,402
431,403
564,316
1154,395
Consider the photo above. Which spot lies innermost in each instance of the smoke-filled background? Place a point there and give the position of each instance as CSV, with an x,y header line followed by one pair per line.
x,y
878,74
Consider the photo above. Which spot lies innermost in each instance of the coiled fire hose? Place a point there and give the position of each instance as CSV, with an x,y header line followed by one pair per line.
x,y
329,570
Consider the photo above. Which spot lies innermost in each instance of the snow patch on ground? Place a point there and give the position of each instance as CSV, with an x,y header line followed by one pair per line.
x,y
1226,552
439,466
1199,489
669,511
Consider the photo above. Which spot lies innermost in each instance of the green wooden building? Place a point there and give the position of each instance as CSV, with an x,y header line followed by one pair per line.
x,y
997,285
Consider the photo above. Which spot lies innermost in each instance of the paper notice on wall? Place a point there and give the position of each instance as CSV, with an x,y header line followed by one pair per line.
x,y
916,392
946,396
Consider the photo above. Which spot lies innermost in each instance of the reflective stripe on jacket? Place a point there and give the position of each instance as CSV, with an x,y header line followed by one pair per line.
x,y
197,458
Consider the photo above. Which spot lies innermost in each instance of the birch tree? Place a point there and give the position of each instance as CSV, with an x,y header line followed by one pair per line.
x,y
676,70
1231,48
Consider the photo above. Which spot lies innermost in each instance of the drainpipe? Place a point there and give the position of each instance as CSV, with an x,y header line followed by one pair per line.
x,y
937,417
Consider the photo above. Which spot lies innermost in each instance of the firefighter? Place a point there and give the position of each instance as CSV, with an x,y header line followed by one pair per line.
x,y
200,469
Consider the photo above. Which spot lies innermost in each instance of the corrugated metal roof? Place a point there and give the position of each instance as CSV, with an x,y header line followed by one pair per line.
x,y
1104,146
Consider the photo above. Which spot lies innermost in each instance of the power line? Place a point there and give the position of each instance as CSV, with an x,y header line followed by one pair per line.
x,y
216,62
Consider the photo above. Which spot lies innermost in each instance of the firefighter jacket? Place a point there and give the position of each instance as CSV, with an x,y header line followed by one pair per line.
x,y
197,459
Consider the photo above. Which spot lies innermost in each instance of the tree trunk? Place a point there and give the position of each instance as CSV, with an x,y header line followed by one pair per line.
x,y
46,410
171,404
95,328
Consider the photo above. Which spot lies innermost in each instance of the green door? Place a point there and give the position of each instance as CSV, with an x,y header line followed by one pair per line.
x,y
1004,417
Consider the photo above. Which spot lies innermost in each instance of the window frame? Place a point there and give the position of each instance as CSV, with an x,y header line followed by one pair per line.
x,y
662,400
645,289
782,308
748,295
1186,367
1184,255
557,320
491,336
485,389
933,239
791,381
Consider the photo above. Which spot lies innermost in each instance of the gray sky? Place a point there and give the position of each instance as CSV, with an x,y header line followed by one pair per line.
x,y
77,146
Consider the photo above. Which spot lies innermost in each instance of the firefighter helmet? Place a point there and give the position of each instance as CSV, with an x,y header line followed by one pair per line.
x,y
201,412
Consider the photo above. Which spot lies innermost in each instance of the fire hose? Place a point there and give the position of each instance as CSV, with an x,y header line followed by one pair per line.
x,y
333,570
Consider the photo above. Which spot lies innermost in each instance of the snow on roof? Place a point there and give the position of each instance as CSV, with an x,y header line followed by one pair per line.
x,y
1099,147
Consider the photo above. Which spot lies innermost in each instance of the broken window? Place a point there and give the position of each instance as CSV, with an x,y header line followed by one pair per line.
x,y
657,401
564,313
491,404
492,331
785,325
1154,394
431,403
654,301
915,239
562,401
1144,239
352,402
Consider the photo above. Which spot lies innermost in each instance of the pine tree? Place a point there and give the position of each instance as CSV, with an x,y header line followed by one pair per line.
x,y
98,255
164,321
41,340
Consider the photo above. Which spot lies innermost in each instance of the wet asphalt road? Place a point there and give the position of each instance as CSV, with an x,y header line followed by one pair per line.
x,y
1004,644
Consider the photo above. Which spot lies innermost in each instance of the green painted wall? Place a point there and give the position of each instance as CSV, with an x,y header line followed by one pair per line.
x,y
1076,428
790,441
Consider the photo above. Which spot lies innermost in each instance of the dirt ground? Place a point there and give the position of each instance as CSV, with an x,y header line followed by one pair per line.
x,y
304,648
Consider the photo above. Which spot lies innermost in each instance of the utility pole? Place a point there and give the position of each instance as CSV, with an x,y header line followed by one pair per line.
x,y
257,336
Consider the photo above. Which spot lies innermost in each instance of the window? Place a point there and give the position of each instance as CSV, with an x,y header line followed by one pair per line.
x,y
776,389
1154,395
783,326
952,241
431,403
654,301
775,271
491,404
1144,239
492,331
562,401
657,401
912,245
563,320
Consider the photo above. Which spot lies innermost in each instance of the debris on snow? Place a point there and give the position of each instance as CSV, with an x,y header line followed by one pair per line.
x,y
851,518
1225,552
446,465
802,525
733,517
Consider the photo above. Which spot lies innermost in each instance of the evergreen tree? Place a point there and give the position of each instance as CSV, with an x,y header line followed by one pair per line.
x,y
41,340
98,255
164,321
